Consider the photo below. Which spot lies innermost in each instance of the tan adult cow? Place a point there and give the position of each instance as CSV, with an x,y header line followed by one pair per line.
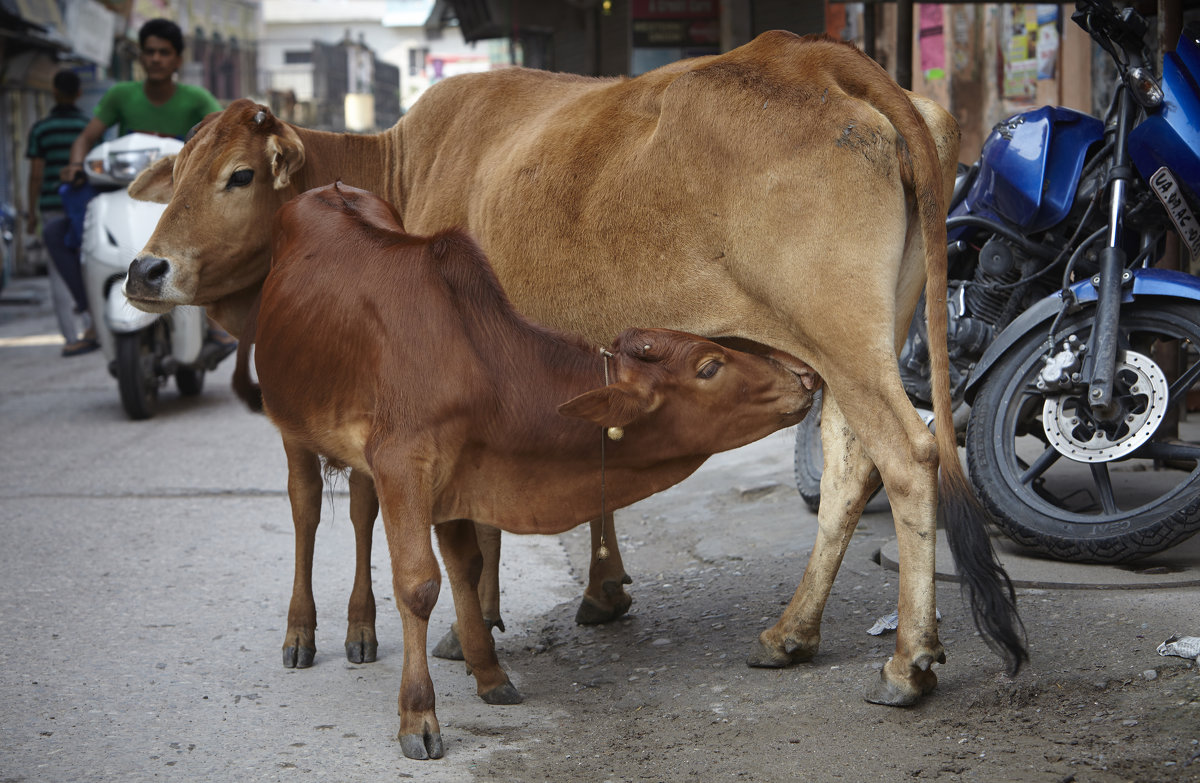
x,y
787,194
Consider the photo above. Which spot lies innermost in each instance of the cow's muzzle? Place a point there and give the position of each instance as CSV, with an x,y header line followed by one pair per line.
x,y
145,281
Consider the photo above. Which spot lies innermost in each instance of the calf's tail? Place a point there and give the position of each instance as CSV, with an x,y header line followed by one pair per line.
x,y
243,386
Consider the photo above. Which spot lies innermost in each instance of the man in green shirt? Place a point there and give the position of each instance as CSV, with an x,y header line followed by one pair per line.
x,y
157,105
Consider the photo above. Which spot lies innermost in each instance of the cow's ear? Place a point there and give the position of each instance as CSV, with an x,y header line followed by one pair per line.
x,y
155,183
615,405
286,152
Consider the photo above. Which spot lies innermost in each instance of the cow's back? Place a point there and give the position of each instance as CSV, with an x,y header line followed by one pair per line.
x,y
687,197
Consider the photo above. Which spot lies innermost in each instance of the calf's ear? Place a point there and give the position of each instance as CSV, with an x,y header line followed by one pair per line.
x,y
286,152
155,183
616,405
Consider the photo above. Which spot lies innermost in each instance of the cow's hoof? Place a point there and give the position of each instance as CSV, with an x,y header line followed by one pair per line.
x,y
422,746
765,656
503,694
361,651
891,694
449,648
297,657
615,604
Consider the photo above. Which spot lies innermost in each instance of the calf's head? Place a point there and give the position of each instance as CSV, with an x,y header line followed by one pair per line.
x,y
679,395
221,191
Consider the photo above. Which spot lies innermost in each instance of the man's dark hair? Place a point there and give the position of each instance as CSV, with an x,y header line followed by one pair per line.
x,y
66,83
162,28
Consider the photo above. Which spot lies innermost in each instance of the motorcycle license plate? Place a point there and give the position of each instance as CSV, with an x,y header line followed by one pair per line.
x,y
1168,192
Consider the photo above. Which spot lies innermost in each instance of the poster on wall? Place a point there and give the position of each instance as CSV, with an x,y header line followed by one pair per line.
x,y
932,37
1047,40
1020,53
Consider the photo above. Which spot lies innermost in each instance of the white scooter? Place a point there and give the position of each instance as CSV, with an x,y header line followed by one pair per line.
x,y
143,349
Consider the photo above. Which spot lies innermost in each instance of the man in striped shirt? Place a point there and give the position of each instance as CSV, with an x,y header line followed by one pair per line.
x,y
48,152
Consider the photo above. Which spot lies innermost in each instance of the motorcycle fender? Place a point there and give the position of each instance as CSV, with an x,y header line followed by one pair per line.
x,y
122,317
1146,283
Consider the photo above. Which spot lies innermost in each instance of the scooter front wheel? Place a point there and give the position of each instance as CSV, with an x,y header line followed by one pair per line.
x,y
1070,485
138,355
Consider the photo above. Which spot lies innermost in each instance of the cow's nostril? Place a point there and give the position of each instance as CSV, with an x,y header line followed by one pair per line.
x,y
149,269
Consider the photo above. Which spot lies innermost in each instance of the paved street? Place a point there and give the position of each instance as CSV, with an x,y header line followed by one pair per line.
x,y
145,569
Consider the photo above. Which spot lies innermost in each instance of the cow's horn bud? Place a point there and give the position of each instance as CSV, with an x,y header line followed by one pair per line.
x,y
260,118
615,433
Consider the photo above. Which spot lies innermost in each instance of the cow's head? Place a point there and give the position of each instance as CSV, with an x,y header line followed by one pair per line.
x,y
221,191
682,395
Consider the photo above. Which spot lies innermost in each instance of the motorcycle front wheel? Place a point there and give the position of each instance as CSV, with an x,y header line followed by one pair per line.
x,y
1072,488
138,357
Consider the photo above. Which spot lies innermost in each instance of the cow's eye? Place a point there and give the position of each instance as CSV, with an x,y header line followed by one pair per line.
x,y
709,369
240,179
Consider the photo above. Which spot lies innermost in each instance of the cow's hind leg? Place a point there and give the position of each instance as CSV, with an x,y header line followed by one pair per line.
x,y
464,564
847,483
907,461
604,598
404,496
304,492
361,642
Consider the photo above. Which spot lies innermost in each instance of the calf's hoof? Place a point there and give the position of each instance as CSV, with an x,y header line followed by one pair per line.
x,y
503,694
422,746
298,657
892,692
616,602
361,651
449,648
767,656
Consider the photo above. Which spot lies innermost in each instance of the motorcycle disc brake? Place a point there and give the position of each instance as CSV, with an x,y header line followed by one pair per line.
x,y
1074,432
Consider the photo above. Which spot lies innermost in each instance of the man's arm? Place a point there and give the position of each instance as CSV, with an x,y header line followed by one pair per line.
x,y
37,169
82,145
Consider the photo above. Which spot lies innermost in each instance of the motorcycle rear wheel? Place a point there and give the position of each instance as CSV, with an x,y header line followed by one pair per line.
x,y
138,356
1104,510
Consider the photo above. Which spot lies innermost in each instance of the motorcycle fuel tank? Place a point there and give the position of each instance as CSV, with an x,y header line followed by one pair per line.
x,y
1029,168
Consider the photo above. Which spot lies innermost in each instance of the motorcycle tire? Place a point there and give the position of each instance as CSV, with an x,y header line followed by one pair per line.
x,y
189,381
137,374
1099,507
810,457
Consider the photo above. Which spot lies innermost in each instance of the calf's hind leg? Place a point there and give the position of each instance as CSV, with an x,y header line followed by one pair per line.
x,y
304,492
604,598
361,642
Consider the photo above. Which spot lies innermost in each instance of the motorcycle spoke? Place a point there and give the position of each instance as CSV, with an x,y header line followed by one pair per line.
x,y
1040,465
1184,382
1103,481
1164,450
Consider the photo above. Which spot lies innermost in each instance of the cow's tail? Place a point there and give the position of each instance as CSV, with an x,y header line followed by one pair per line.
x,y
984,581
246,389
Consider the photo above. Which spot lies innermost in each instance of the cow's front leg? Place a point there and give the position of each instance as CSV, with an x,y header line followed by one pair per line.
x,y
604,598
406,502
304,492
847,482
361,642
464,564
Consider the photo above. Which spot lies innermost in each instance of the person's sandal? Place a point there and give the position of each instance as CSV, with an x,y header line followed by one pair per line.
x,y
80,347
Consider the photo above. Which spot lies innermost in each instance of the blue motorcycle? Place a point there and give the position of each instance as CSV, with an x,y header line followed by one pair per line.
x,y
1072,355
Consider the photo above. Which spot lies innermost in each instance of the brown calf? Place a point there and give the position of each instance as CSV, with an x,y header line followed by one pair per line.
x,y
400,357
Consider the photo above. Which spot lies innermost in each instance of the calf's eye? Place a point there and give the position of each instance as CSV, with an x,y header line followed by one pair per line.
x,y
240,179
709,369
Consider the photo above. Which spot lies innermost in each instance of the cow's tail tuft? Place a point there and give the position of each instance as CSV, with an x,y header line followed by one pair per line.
x,y
249,391
985,584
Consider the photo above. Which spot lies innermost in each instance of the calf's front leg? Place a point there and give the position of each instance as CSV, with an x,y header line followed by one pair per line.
x,y
406,502
464,563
